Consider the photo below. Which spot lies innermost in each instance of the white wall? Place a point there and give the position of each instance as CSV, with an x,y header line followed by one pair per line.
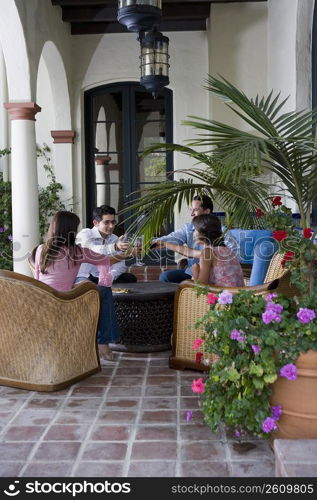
x,y
282,16
98,60
237,41
45,119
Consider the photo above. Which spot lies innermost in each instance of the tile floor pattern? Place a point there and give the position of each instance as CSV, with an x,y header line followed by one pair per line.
x,y
127,421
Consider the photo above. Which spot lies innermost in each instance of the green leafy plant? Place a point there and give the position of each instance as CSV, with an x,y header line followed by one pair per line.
x,y
49,204
258,338
5,220
49,196
229,161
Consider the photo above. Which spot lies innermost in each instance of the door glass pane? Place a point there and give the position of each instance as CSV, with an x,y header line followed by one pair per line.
x,y
107,119
152,168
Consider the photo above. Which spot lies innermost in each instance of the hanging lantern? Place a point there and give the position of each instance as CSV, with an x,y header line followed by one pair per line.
x,y
154,61
139,15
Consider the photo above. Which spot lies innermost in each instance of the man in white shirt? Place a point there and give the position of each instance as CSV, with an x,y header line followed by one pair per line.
x,y
100,239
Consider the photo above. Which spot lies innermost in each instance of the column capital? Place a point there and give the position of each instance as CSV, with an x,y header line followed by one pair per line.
x,y
22,110
63,136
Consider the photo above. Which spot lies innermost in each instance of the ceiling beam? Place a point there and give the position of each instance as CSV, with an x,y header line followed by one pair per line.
x,y
115,27
109,13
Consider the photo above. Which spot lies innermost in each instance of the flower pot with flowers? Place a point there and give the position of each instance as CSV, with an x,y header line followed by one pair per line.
x,y
265,378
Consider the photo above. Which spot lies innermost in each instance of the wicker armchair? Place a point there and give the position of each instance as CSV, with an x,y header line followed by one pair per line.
x,y
48,338
188,308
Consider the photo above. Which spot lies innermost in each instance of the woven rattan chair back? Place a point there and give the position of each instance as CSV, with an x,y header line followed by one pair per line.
x,y
188,308
48,338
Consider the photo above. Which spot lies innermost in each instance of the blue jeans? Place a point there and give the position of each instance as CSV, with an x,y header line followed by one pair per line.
x,y
108,328
174,276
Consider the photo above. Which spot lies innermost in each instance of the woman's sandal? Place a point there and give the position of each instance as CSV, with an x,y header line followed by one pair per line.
x,y
105,353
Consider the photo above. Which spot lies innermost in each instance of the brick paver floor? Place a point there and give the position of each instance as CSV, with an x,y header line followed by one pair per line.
x,y
127,421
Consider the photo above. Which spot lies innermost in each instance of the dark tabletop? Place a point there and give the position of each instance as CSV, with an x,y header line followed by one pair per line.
x,y
144,290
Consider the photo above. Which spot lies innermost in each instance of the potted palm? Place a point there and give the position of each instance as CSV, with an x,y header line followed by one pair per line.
x,y
229,162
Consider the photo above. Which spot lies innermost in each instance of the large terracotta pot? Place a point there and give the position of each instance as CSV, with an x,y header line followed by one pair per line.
x,y
299,400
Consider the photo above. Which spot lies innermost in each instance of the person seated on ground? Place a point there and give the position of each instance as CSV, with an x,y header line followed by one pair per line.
x,y
184,239
100,239
217,264
57,263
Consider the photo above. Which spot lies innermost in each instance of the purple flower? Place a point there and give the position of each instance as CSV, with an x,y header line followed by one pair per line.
x,y
2,229
10,237
237,434
189,416
269,316
276,412
256,348
277,308
225,297
236,335
270,296
305,315
289,371
269,425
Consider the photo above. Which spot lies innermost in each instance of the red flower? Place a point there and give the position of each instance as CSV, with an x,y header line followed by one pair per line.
x,y
199,355
212,298
276,201
279,235
259,212
307,232
287,256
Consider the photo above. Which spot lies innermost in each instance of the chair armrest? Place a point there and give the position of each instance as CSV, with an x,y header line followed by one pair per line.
x,y
271,285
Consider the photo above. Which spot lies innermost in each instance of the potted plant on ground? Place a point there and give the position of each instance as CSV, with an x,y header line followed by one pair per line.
x,y
265,378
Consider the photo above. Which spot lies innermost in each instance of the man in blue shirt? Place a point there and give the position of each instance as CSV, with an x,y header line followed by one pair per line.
x,y
185,236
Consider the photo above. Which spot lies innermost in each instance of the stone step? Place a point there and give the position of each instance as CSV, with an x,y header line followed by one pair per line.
x,y
295,457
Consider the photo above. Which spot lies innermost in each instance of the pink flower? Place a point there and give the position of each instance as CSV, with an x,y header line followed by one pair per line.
x,y
198,386
289,371
212,298
197,343
199,355
225,297
305,315
269,424
256,348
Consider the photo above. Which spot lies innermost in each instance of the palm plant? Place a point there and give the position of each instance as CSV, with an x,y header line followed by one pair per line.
x,y
233,160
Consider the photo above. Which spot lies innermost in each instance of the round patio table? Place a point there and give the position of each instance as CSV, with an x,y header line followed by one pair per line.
x,y
145,316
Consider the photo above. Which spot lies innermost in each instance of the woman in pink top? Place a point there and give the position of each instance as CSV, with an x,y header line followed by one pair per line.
x,y
217,264
57,263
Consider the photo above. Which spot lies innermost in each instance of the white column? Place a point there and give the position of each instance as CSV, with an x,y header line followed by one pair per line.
x,y
25,202
4,140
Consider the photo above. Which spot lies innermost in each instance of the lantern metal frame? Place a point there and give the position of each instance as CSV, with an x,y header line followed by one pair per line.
x,y
154,59
139,15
